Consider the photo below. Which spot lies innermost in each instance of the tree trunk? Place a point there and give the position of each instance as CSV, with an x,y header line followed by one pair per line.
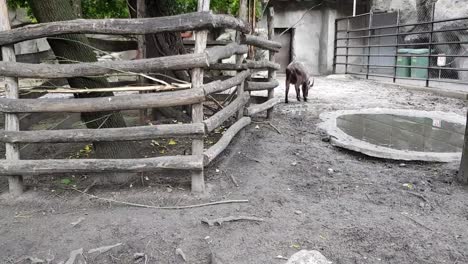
x,y
77,8
68,50
463,171
162,44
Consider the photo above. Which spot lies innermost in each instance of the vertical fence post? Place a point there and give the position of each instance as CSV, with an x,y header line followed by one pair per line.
x,y
430,45
141,13
335,49
271,72
371,14
12,152
198,181
239,58
347,45
396,46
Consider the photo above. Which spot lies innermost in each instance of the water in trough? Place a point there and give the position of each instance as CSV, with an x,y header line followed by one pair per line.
x,y
404,132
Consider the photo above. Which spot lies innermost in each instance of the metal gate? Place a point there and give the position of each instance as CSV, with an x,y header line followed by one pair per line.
x,y
379,45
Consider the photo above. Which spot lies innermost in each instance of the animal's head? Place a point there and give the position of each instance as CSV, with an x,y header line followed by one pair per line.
x,y
310,82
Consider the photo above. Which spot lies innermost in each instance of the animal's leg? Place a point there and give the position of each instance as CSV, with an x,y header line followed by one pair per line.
x,y
305,91
287,90
298,92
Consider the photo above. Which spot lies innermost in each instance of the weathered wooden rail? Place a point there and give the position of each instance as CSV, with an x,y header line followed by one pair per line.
x,y
201,60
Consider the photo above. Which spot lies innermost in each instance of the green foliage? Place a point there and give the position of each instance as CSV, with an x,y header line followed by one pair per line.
x,y
118,8
105,9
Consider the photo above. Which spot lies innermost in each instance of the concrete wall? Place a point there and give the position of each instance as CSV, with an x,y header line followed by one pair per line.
x,y
18,17
313,42
306,42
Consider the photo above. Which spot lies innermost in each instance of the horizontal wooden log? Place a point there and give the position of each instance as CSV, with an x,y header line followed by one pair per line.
x,y
209,43
36,57
260,42
51,71
255,109
216,53
112,45
252,65
36,167
220,86
219,118
107,134
148,88
176,62
224,141
112,103
258,86
178,23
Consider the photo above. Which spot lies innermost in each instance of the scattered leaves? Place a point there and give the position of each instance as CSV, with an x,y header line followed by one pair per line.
x,y
66,181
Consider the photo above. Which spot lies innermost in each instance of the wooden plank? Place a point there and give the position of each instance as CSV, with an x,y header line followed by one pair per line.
x,y
176,62
12,153
37,167
108,134
198,177
255,109
252,65
271,72
112,103
219,118
258,86
178,23
260,42
220,86
223,143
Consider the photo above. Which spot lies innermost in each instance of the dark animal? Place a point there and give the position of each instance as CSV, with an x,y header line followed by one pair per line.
x,y
296,74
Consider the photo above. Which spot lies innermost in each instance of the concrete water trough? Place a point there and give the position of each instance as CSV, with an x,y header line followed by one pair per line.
x,y
397,134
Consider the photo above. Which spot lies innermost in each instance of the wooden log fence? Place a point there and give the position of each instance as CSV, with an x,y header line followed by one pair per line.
x,y
260,42
177,62
178,23
195,130
37,167
194,94
220,117
227,137
258,86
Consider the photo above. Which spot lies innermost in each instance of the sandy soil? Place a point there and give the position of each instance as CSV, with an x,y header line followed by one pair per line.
x,y
352,208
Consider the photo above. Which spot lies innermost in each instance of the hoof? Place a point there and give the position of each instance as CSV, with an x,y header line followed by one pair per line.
x,y
305,99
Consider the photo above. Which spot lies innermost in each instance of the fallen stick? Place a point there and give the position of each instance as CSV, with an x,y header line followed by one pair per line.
x,y
163,207
73,255
418,195
215,101
268,123
234,180
181,254
104,249
219,221
416,222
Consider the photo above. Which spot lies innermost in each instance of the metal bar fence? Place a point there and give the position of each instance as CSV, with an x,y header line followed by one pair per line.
x,y
435,35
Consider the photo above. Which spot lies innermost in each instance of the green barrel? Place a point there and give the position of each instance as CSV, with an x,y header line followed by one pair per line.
x,y
404,61
420,62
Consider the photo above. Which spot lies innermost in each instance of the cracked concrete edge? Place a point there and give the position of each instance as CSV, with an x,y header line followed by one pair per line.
x,y
341,139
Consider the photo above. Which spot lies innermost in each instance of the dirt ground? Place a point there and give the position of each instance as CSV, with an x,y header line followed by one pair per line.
x,y
352,208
